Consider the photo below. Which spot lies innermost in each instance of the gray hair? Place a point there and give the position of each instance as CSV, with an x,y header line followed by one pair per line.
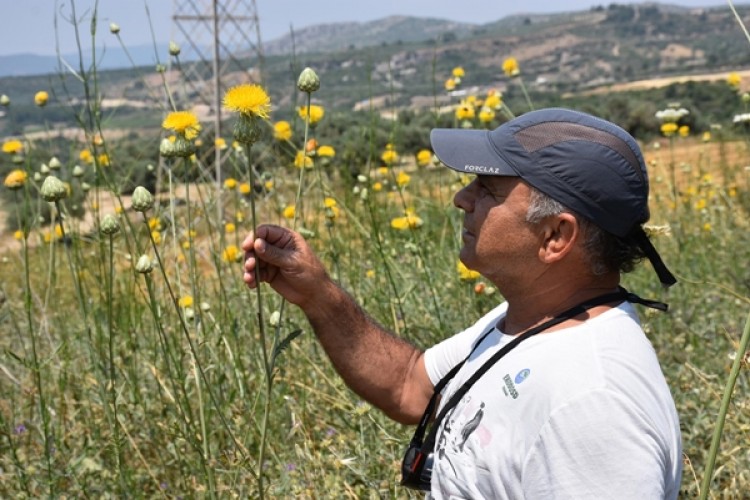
x,y
606,252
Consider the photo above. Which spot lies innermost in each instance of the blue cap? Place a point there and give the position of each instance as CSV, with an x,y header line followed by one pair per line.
x,y
590,165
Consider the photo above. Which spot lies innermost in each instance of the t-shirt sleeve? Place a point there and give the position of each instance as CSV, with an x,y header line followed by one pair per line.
x,y
598,445
442,357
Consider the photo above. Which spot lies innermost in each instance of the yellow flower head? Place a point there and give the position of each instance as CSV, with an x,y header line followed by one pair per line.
x,y
409,221
734,80
706,136
684,131
86,156
230,183
15,179
220,143
450,84
186,301
326,151
249,100
669,129
402,179
329,202
103,160
302,160
245,188
458,72
316,113
268,185
486,114
494,100
510,67
465,112
389,156
465,273
288,212
377,187
184,123
156,236
229,228
13,147
282,131
18,234
41,98
231,254
424,157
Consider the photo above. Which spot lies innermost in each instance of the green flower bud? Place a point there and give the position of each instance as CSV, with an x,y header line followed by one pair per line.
x,y
109,225
174,49
745,98
53,189
78,171
44,169
37,177
308,81
4,100
54,163
247,129
142,199
85,187
183,148
114,28
17,159
144,265
166,148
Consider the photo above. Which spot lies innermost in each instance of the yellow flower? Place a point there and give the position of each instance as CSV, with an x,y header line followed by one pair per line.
x,y
58,231
97,140
185,301
18,234
229,228
154,223
288,212
382,171
268,185
669,129
377,187
734,80
370,273
409,221
103,160
249,100
119,209
424,157
465,112
458,72
326,151
40,98
15,179
282,131
329,202
184,123
302,160
156,236
13,147
450,84
245,188
706,136
186,245
465,273
486,114
230,183
707,227
332,212
494,100
510,67
389,156
316,113
700,204
86,156
219,143
684,131
402,179
231,254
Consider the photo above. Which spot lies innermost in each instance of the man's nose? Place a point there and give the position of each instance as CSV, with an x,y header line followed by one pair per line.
x,y
464,199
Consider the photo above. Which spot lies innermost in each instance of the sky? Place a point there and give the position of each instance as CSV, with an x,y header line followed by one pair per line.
x,y
27,26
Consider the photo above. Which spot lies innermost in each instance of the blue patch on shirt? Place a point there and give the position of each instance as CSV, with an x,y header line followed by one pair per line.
x,y
522,375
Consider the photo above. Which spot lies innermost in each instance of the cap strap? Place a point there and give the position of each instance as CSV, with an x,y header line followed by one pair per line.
x,y
641,238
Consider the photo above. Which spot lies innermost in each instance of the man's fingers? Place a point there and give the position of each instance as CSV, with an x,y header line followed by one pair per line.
x,y
270,253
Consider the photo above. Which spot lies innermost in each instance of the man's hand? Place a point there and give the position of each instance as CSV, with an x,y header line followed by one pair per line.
x,y
286,262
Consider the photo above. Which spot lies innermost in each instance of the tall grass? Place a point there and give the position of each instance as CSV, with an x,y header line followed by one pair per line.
x,y
119,382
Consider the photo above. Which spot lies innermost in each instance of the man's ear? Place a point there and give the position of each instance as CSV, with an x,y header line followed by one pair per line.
x,y
559,235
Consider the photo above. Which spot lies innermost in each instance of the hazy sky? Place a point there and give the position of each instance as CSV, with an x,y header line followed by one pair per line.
x,y
27,26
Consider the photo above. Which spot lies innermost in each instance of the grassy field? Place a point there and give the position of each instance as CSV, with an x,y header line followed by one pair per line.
x,y
134,362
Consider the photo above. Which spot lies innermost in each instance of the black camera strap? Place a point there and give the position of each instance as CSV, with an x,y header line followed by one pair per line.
x,y
429,443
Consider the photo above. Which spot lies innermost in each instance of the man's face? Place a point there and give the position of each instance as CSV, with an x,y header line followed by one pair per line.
x,y
498,242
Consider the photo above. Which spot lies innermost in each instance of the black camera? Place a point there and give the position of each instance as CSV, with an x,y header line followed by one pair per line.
x,y
416,468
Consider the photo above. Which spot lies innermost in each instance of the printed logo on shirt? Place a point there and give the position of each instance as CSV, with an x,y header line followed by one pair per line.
x,y
522,375
510,388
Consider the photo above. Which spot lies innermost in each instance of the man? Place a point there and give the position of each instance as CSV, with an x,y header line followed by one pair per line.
x,y
556,393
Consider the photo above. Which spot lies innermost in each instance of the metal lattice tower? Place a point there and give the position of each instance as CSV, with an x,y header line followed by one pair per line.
x,y
218,41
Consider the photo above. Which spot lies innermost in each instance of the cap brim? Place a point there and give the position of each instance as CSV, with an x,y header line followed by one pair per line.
x,y
468,151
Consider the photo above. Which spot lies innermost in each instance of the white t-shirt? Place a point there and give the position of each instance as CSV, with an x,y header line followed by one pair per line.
x,y
582,412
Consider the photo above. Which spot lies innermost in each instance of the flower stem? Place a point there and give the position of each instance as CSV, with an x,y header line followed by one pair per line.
x,y
726,399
